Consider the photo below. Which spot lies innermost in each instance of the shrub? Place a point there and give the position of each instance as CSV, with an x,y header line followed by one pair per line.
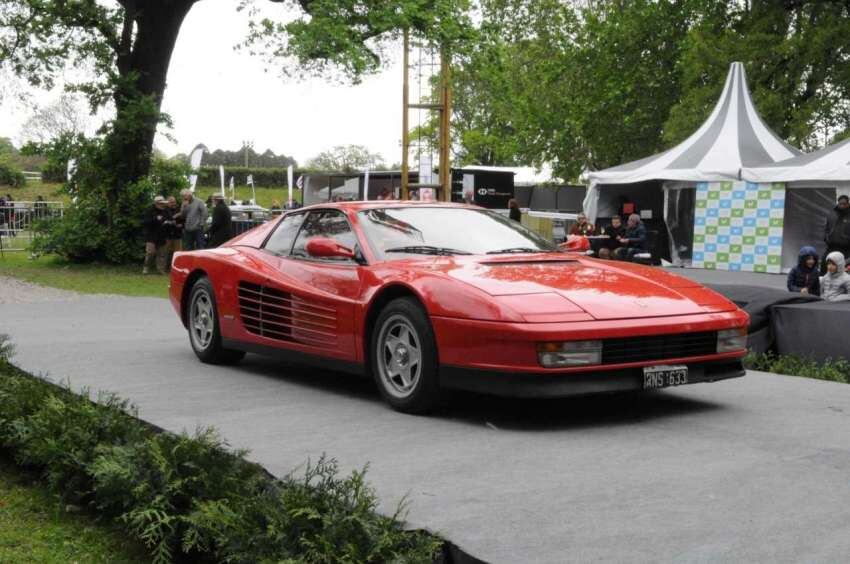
x,y
10,175
791,365
92,229
191,497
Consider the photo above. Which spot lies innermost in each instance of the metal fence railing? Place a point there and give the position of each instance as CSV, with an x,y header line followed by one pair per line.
x,y
19,220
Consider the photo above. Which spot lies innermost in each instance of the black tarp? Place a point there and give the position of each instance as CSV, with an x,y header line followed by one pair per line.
x,y
770,331
522,194
544,198
819,330
570,198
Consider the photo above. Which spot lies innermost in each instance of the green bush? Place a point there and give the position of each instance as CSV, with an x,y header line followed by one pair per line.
x,y
832,370
92,229
263,177
10,175
190,497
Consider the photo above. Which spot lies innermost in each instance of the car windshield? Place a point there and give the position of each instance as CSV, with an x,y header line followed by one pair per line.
x,y
433,230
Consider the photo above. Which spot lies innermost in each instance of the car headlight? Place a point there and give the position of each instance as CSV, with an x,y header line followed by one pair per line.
x,y
732,340
569,353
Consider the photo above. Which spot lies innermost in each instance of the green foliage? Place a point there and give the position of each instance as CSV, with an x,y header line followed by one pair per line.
x,y
354,37
210,176
101,224
10,175
346,158
832,370
189,497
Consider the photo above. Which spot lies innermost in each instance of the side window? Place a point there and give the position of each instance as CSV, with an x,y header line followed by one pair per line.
x,y
331,224
281,240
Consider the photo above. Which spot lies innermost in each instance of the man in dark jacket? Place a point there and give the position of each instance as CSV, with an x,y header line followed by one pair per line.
x,y
805,278
635,240
155,233
221,229
837,232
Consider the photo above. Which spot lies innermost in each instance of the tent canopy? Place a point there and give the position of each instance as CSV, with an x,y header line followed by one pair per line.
x,y
830,164
733,137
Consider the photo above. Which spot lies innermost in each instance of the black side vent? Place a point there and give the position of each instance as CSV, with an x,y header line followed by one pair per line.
x,y
278,315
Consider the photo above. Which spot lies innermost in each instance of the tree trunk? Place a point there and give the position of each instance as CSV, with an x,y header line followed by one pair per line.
x,y
143,70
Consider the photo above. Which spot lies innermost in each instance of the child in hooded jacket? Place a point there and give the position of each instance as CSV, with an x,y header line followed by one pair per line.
x,y
835,284
805,277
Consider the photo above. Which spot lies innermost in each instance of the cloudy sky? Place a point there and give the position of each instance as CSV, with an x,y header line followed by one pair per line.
x,y
220,97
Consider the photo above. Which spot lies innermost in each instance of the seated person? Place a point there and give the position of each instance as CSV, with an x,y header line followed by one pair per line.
x,y
835,284
805,277
615,231
581,226
634,241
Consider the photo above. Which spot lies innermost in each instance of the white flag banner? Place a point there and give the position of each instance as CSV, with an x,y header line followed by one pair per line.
x,y
253,192
196,157
221,174
289,183
193,181
232,189
72,168
366,186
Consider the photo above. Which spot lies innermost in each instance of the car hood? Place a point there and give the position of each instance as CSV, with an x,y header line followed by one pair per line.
x,y
557,287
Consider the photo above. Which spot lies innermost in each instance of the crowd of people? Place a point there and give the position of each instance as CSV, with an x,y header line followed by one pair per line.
x,y
168,228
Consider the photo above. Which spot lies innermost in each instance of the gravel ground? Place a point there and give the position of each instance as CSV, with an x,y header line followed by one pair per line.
x,y
14,291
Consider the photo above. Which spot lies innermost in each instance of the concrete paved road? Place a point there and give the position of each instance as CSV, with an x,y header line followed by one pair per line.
x,y
752,469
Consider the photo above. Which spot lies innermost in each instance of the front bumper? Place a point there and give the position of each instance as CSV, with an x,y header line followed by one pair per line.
x,y
555,385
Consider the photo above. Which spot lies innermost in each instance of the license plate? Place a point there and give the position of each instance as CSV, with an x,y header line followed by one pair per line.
x,y
655,377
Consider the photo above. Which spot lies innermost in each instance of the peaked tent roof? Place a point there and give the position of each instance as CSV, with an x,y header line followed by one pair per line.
x,y
832,163
734,136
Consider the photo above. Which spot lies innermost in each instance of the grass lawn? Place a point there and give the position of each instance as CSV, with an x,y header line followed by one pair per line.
x,y
35,528
86,278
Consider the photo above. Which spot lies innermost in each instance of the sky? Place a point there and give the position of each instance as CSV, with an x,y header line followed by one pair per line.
x,y
221,97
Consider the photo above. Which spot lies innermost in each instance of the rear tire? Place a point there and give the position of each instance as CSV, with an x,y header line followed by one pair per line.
x,y
404,357
204,330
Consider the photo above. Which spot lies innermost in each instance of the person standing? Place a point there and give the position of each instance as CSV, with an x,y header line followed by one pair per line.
x,y
173,231
804,278
835,284
837,232
221,229
193,213
154,231
514,211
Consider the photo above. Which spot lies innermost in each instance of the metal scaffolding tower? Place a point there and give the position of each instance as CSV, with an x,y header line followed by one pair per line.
x,y
432,69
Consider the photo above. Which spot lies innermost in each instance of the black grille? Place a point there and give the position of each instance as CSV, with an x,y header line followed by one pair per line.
x,y
658,347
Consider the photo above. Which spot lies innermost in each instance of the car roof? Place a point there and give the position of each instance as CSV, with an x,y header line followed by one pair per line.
x,y
380,204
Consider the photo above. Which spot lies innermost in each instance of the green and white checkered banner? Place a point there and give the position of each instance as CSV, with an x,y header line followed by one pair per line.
x,y
738,226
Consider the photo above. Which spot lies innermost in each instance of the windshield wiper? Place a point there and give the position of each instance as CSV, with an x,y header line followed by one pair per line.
x,y
427,250
518,250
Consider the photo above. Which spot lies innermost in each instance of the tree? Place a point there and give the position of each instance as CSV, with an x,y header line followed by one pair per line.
x,y
797,58
129,44
64,116
346,158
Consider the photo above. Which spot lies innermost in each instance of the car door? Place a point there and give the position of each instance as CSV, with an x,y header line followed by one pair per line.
x,y
300,302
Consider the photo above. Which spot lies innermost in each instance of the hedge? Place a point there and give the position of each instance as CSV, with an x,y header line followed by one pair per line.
x,y
263,177
10,175
189,497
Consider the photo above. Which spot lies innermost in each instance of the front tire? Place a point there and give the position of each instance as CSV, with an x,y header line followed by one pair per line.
x,y
204,330
404,357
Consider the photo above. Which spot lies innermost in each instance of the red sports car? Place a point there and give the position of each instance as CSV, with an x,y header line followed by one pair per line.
x,y
427,296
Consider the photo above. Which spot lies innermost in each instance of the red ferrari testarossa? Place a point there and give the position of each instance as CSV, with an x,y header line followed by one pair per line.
x,y
427,296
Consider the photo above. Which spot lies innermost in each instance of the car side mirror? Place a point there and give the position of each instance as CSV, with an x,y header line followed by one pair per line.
x,y
325,247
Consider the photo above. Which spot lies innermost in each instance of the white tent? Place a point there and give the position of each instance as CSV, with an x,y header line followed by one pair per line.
x,y
829,166
733,137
